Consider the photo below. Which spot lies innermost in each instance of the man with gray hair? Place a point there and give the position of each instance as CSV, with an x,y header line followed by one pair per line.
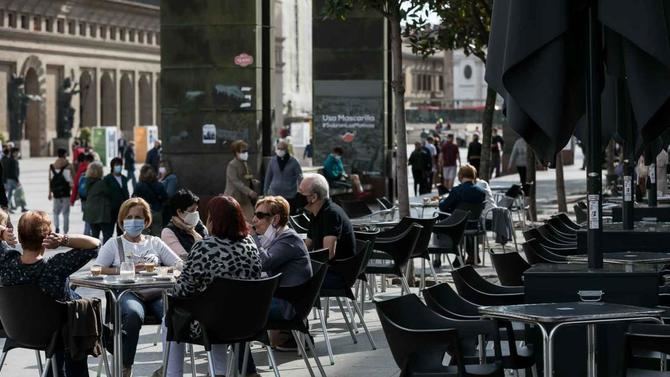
x,y
329,228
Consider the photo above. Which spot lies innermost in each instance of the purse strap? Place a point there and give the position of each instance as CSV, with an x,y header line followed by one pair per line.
x,y
119,248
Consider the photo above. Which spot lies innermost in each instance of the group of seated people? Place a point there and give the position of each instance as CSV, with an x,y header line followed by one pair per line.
x,y
225,246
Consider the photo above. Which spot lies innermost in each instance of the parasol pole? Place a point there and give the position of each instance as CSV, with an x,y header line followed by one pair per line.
x,y
594,125
625,125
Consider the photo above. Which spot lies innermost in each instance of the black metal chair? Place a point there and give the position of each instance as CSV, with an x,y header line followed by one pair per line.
x,y
419,338
581,213
350,269
536,252
509,267
443,300
647,339
10,345
448,237
396,245
299,223
475,228
548,234
303,298
320,255
33,320
474,279
485,295
421,247
565,219
242,320
540,237
560,227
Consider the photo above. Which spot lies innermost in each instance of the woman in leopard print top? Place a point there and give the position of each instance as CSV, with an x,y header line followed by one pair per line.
x,y
229,252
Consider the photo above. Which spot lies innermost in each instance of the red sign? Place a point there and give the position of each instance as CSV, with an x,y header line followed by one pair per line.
x,y
244,60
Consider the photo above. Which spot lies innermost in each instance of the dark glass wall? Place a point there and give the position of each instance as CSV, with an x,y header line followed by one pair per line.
x,y
349,104
210,87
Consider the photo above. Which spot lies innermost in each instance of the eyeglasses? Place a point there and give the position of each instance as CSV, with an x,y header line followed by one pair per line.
x,y
262,215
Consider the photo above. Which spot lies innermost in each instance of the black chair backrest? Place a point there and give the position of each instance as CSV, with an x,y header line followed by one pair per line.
x,y
545,253
424,237
320,255
355,208
300,222
567,221
230,310
385,203
453,230
560,227
400,246
366,235
509,267
350,268
580,213
456,217
442,299
532,256
646,337
30,317
475,210
475,280
549,235
304,296
535,233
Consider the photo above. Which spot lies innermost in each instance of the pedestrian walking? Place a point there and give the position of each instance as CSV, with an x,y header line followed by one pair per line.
x,y
429,145
153,192
283,176
154,156
121,145
308,153
169,180
60,189
117,188
475,152
451,160
497,145
518,159
421,164
11,171
129,163
240,183
98,209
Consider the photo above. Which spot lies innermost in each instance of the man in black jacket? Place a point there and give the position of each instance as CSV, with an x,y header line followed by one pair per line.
x,y
117,185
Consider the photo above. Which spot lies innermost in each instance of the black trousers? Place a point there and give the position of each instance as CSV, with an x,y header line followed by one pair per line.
x,y
522,176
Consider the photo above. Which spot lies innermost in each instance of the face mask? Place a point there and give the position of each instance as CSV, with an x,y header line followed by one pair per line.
x,y
162,170
191,218
117,169
268,236
338,157
133,227
243,156
281,153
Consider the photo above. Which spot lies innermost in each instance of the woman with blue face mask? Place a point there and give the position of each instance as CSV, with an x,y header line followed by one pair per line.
x,y
133,246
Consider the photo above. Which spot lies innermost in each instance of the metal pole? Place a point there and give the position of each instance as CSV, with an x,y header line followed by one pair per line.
x,y
625,126
593,111
650,161
592,361
266,77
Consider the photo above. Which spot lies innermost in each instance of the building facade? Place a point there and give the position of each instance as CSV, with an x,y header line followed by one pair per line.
x,y
428,83
109,48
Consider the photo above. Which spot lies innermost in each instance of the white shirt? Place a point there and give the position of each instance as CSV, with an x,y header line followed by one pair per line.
x,y
149,249
431,149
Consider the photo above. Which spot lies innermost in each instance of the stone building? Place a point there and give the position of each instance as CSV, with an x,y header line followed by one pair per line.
x,y
110,48
428,81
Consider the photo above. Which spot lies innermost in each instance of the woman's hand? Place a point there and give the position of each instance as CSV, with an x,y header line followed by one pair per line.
x,y
7,235
53,241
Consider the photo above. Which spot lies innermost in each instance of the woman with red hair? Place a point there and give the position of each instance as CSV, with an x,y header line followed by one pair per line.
x,y
228,252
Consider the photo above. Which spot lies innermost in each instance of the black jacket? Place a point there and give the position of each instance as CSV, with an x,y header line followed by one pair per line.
x,y
81,332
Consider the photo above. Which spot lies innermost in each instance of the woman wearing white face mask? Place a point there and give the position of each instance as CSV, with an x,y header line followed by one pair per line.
x,y
283,176
185,227
240,182
281,251
133,246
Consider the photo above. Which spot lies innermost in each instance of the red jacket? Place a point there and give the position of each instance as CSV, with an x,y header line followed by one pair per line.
x,y
81,169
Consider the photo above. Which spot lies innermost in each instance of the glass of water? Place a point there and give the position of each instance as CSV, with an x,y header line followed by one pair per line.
x,y
127,271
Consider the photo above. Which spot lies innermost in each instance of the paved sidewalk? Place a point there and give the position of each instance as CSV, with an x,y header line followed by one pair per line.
x,y
350,359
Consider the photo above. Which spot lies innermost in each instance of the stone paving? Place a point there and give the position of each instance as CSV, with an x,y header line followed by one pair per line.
x,y
350,359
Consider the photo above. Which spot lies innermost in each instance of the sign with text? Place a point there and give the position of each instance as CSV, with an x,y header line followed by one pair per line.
x,y
350,114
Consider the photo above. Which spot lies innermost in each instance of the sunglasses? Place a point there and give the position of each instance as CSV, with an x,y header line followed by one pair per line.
x,y
262,215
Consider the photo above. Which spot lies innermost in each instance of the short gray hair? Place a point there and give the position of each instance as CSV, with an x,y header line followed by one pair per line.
x,y
317,184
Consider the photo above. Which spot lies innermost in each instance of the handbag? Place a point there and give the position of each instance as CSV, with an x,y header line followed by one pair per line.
x,y
148,294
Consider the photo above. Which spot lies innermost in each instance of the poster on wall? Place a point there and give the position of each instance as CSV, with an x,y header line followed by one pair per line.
x,y
209,134
350,114
104,143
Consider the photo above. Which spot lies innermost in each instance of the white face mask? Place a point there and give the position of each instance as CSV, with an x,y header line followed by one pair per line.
x,y
243,156
281,153
162,170
191,218
268,237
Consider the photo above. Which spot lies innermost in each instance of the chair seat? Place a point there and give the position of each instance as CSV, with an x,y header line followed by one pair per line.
x,y
344,292
381,268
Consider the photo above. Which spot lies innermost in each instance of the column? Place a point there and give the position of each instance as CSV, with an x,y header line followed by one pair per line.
x,y
117,92
98,96
136,83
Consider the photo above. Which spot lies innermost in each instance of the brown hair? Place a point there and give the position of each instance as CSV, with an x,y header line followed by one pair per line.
x,y
134,202
226,218
467,171
277,206
238,145
34,227
148,174
4,216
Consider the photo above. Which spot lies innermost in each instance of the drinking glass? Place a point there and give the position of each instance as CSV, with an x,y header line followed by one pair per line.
x,y
96,270
127,271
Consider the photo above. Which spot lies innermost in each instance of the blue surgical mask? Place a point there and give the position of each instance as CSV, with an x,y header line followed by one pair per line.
x,y
117,169
133,227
